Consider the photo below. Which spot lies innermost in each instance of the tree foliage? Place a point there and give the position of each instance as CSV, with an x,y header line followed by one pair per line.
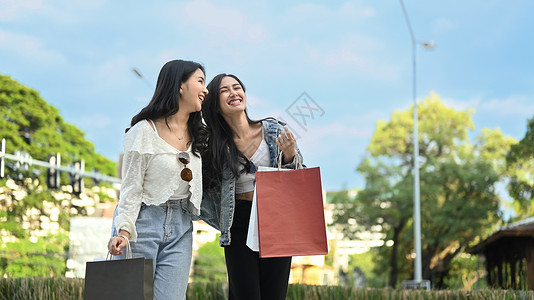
x,y
209,264
466,273
44,257
29,124
520,166
366,263
459,203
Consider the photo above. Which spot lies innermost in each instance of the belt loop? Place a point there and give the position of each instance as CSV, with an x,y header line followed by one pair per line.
x,y
184,203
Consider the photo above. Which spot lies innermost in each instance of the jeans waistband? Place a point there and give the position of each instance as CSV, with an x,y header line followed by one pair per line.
x,y
175,202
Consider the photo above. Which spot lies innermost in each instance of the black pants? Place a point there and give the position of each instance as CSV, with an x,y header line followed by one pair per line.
x,y
249,276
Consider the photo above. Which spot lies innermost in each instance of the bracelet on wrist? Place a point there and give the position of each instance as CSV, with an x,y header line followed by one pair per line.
x,y
125,237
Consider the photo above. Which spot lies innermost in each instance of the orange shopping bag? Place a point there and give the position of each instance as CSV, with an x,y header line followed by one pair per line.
x,y
290,212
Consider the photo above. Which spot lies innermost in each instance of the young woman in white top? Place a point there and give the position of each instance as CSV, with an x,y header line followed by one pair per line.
x,y
162,178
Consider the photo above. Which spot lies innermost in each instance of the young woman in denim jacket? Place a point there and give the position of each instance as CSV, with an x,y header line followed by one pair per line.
x,y
162,178
238,145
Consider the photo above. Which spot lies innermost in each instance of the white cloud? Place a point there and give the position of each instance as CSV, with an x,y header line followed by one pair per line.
x,y
332,138
255,102
14,9
472,103
345,56
352,10
357,57
30,48
243,38
143,100
167,55
222,22
58,11
443,25
341,129
321,33
113,72
517,105
347,11
94,121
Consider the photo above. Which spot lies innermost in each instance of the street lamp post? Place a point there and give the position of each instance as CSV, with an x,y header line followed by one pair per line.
x,y
417,201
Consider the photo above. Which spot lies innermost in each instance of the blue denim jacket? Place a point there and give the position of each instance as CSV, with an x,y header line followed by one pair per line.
x,y
217,208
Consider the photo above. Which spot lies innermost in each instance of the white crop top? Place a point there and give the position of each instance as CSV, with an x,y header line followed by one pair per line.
x,y
262,157
151,175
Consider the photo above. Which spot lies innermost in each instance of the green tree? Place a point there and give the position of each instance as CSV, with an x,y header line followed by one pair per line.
x,y
494,146
209,264
466,273
366,263
385,202
458,198
520,164
44,257
29,124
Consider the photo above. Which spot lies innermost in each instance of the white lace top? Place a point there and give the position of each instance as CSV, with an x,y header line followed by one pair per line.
x,y
151,175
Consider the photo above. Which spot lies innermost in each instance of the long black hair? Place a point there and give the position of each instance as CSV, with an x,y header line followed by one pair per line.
x,y
221,147
164,102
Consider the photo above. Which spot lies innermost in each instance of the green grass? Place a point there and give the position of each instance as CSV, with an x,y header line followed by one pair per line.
x,y
61,288
41,288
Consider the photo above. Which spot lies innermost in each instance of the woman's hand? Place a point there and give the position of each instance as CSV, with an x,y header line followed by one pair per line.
x,y
116,243
286,143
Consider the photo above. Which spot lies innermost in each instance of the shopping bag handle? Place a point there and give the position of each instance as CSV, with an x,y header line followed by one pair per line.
x,y
298,164
109,256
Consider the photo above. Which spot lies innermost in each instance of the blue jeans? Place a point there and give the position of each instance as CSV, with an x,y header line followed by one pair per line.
x,y
165,235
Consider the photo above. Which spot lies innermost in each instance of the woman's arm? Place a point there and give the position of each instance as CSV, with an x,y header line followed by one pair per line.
x,y
130,201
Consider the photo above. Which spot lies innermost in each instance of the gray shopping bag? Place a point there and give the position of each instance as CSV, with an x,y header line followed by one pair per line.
x,y
129,278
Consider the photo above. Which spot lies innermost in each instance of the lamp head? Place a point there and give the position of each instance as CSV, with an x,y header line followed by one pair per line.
x,y
428,45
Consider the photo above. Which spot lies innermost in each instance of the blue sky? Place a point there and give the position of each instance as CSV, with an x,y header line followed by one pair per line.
x,y
352,58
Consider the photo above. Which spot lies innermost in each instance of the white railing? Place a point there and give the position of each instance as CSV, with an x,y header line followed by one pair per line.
x,y
75,170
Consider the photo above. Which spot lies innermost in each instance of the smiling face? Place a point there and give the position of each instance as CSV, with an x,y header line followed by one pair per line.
x,y
232,98
192,92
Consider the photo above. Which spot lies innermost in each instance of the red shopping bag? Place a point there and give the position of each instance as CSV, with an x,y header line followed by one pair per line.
x,y
290,213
